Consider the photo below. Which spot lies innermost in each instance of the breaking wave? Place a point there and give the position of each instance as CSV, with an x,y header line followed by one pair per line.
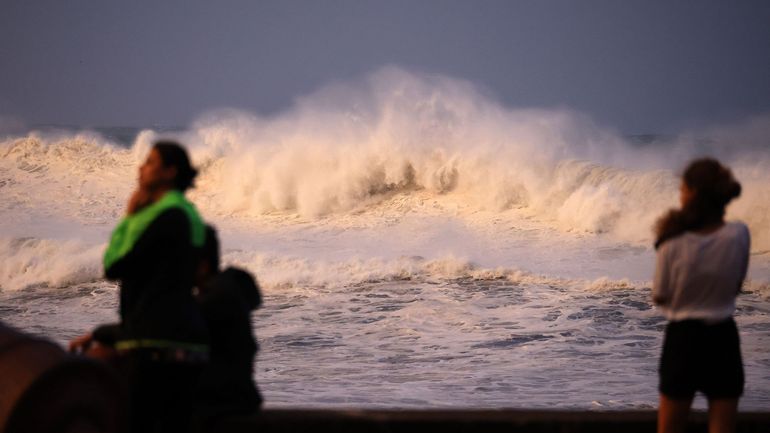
x,y
351,147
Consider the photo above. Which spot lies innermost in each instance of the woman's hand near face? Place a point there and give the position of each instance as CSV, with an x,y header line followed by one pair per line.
x,y
138,201
154,180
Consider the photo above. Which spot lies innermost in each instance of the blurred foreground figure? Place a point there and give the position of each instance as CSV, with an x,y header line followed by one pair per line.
x,y
42,390
701,264
227,299
161,342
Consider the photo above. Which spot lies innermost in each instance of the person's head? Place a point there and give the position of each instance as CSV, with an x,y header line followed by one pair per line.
x,y
706,189
209,262
167,167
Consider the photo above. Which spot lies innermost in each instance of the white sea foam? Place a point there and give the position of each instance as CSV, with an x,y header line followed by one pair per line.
x,y
403,228
384,161
31,262
276,272
26,262
347,148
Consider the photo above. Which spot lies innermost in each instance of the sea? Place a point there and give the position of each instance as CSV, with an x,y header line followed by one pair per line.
x,y
418,243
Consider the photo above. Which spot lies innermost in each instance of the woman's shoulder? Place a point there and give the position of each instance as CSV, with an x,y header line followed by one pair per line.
x,y
171,220
738,226
172,215
669,247
737,229
739,233
729,230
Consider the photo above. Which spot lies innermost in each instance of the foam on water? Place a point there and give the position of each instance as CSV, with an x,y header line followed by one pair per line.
x,y
419,241
28,262
349,147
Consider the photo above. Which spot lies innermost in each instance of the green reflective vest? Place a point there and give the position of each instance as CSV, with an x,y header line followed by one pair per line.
x,y
131,228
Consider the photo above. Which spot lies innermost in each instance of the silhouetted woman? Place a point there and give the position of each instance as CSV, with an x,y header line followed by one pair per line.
x,y
162,340
701,264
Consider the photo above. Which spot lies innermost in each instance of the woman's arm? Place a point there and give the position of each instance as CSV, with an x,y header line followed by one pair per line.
x,y
746,254
661,290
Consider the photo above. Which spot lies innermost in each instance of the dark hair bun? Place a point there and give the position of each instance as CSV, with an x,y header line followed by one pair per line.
x,y
735,190
726,187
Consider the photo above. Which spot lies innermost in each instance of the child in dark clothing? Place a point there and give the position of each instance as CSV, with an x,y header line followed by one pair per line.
x,y
226,300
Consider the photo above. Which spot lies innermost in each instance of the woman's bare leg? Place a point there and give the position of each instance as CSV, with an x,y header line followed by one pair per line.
x,y
723,415
672,414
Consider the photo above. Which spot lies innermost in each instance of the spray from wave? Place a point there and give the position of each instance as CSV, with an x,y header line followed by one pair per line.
x,y
389,141
348,146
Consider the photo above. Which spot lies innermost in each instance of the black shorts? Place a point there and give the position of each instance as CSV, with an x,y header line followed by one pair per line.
x,y
701,357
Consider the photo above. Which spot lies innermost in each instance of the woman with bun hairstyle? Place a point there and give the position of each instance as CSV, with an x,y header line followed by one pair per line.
x,y
701,264
161,342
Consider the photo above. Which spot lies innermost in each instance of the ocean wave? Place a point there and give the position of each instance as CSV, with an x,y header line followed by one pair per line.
x,y
53,263
31,262
350,147
56,263
276,272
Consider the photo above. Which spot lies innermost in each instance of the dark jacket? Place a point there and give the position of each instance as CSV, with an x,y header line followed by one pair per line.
x,y
156,280
227,383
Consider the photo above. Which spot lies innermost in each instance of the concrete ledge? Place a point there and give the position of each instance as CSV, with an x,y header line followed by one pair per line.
x,y
476,421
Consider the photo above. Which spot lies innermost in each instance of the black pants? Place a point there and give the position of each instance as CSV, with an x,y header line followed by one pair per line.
x,y
160,394
698,356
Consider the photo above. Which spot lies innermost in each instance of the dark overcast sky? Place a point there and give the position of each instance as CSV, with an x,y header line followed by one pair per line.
x,y
640,66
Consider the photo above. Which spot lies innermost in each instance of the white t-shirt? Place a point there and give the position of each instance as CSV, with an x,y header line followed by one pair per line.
x,y
699,275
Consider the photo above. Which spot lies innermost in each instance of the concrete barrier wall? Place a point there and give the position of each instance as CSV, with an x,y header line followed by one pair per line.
x,y
476,421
